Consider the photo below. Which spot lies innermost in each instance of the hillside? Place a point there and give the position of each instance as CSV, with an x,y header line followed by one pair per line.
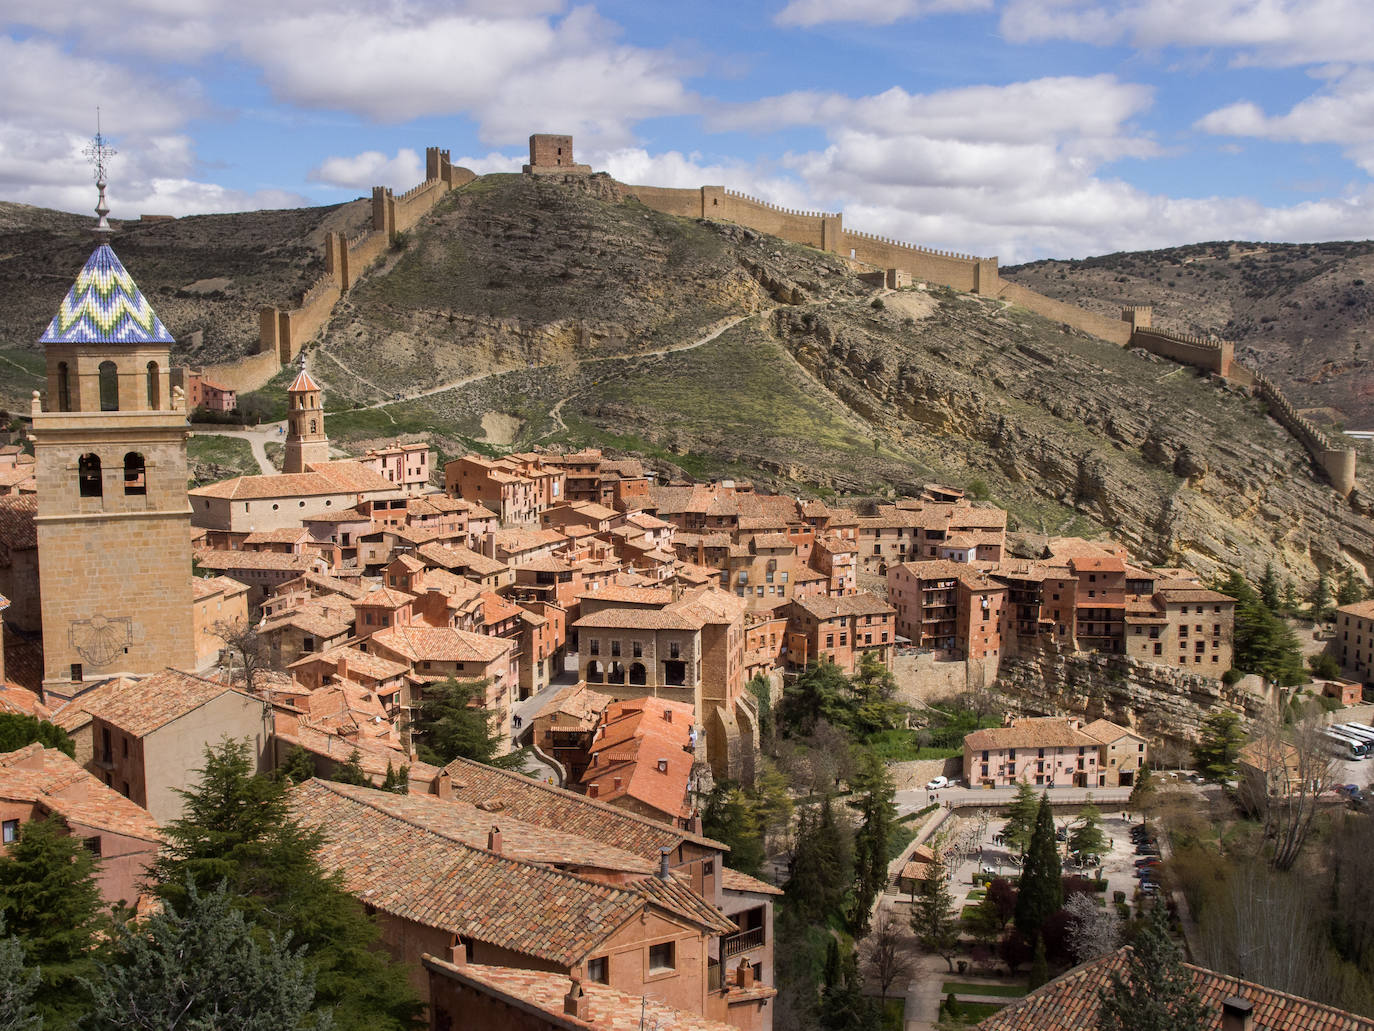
x,y
524,311
206,273
1301,313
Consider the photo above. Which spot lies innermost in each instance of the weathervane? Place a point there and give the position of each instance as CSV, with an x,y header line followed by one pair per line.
x,y
98,152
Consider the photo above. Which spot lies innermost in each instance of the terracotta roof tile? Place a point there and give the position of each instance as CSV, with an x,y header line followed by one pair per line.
x,y
49,778
443,644
141,706
17,531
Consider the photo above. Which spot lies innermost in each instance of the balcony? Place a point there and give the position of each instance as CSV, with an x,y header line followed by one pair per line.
x,y
733,944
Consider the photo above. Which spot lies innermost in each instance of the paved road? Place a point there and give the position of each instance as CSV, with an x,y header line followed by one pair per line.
x,y
918,798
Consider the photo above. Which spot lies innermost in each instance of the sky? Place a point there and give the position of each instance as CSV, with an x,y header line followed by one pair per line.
x,y
1019,128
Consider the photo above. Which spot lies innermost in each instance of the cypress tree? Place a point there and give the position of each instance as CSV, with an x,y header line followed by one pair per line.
x,y
875,794
1042,888
350,771
1269,589
49,901
1021,818
728,817
933,919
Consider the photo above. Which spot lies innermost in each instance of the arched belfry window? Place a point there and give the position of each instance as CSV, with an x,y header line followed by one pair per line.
x,y
312,426
109,387
64,388
154,388
88,476
135,478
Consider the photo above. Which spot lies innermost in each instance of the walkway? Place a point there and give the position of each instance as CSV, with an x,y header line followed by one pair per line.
x,y
255,435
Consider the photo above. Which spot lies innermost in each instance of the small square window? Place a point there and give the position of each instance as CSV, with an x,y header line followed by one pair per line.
x,y
598,970
661,958
9,832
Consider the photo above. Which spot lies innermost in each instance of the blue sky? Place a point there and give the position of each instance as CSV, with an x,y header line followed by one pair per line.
x,y
1022,128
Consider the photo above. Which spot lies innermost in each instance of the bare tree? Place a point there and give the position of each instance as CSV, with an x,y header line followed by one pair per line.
x,y
1287,773
1094,931
246,646
886,952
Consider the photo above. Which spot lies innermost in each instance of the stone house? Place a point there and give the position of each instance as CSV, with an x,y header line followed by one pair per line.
x,y
1354,644
406,465
839,630
216,599
1122,754
641,758
518,488
38,782
1045,751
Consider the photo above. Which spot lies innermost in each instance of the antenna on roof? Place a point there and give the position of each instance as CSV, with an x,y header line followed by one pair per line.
x,y
98,152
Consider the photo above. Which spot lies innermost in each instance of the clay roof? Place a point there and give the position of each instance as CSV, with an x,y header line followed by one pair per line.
x,y
660,596
17,531
1185,591
105,306
55,782
1040,732
443,644
214,558
21,701
1106,731
323,617
864,604
356,661
502,791
541,993
640,619
280,485
302,382
208,586
1359,609
449,557
735,880
578,702
646,751
384,597
353,477
319,582
517,539
285,535
412,872
1072,1001
139,707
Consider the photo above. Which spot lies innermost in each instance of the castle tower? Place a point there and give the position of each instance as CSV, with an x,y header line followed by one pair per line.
x,y
305,439
113,519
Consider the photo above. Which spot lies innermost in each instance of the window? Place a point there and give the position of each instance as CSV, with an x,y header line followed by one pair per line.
x,y
661,959
674,650
9,832
76,671
594,646
88,476
154,388
109,387
637,649
597,970
135,479
615,648
64,388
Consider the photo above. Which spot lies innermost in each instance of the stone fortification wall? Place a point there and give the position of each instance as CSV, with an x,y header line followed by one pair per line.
x,y
1213,355
947,268
671,201
1114,330
820,229
1160,702
282,334
1337,463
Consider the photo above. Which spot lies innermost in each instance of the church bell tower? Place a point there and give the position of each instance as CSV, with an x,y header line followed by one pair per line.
x,y
113,520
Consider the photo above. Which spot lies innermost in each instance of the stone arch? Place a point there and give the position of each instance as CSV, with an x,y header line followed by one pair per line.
x,y
616,674
109,386
154,388
135,474
90,482
639,676
595,671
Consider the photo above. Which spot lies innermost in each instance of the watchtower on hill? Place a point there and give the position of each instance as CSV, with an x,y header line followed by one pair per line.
x,y
305,438
113,519
552,155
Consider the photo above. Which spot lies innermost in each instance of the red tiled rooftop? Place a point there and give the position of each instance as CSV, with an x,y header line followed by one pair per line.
x,y
52,780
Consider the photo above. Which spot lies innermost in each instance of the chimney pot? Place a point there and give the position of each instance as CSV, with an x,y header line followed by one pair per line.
x,y
1237,1014
593,789
494,839
668,715
744,974
576,1003
663,863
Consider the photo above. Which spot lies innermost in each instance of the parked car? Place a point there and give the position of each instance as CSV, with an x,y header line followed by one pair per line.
x,y
937,784
1148,861
1147,849
1149,888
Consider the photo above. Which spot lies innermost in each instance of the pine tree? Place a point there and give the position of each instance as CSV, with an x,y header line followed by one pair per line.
x,y
452,722
1263,642
1040,967
1157,993
397,781
1041,891
202,967
1269,589
1219,746
49,901
1087,838
874,790
351,771
237,828
728,817
844,1007
1142,791
821,693
1021,818
822,865
933,919
1320,598
1351,590
874,688
299,766
17,986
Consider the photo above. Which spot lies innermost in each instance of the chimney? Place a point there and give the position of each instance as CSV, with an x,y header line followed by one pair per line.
x,y
457,951
1237,1014
576,1003
744,975
443,786
617,782
342,668
494,839
663,766
593,789
694,824
668,715
663,863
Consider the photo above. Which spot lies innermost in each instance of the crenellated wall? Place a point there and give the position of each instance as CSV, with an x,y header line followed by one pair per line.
x,y
1114,330
282,334
1213,355
1337,463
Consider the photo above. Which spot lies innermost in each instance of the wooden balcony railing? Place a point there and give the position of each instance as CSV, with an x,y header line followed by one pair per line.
x,y
742,941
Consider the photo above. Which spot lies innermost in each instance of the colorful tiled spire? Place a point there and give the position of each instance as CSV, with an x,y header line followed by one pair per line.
x,y
104,306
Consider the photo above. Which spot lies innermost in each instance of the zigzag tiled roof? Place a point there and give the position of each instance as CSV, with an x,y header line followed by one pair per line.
x,y
104,306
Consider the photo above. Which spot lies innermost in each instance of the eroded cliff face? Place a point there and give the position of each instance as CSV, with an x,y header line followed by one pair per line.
x,y
1159,702
1179,466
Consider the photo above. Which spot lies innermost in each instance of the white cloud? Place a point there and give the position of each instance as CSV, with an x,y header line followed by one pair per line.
x,y
1342,114
808,13
371,168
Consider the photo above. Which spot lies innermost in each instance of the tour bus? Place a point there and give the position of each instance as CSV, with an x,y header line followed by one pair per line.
x,y
1356,730
1345,747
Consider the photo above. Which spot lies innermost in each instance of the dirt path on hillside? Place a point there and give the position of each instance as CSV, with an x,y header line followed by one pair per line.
x,y
469,380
